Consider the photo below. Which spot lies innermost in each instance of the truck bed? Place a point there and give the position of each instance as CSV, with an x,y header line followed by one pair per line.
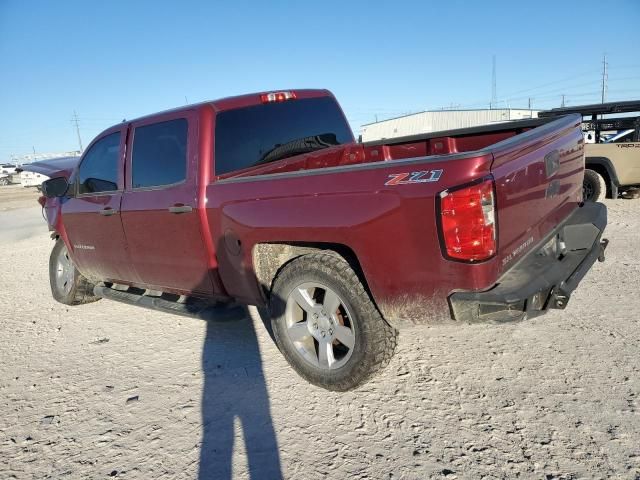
x,y
346,195
512,127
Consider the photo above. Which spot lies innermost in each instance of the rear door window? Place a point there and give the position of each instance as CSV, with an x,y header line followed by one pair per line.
x,y
98,171
259,134
159,156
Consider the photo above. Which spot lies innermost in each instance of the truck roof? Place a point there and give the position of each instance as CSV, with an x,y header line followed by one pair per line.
x,y
239,101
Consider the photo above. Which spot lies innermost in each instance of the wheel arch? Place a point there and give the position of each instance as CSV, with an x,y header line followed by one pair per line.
x,y
270,258
604,167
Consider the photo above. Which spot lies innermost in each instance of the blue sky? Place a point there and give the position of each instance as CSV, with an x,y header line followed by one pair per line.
x,y
122,59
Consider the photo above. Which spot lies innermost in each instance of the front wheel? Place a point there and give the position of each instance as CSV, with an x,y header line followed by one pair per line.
x,y
594,187
326,324
68,286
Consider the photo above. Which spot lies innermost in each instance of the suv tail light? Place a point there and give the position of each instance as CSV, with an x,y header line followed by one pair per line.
x,y
468,221
277,97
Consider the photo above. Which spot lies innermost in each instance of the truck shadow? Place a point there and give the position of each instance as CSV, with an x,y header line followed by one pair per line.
x,y
235,392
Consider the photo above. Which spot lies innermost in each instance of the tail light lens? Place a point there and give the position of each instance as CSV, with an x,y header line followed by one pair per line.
x,y
468,222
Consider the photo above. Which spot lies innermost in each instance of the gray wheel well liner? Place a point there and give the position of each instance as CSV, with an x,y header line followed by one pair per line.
x,y
605,168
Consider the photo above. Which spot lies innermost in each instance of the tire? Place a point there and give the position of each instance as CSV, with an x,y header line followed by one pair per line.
x,y
594,188
338,315
4,181
68,286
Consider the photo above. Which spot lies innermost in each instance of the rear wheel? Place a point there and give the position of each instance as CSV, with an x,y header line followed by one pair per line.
x,y
4,181
326,325
68,286
594,187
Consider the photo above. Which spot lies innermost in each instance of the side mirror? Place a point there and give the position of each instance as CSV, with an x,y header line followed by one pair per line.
x,y
55,187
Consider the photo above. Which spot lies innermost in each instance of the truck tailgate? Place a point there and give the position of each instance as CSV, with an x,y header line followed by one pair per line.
x,y
538,177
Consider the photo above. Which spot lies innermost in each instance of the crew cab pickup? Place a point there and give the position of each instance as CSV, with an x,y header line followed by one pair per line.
x,y
267,200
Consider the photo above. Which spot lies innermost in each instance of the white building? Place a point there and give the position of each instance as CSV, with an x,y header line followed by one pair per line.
x,y
439,120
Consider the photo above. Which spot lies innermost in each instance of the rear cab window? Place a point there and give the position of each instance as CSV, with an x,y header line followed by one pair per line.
x,y
259,134
159,154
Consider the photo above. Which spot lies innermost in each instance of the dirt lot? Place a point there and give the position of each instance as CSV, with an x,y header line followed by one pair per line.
x,y
108,390
16,196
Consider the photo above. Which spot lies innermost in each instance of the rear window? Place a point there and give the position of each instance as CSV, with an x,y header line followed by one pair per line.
x,y
265,133
159,154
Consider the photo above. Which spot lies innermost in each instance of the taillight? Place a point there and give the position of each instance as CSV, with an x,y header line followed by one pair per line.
x,y
468,222
277,97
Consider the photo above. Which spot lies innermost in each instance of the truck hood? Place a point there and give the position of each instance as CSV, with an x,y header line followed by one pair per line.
x,y
56,167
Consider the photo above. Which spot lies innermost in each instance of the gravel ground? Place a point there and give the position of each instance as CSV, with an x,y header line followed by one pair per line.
x,y
107,390
16,197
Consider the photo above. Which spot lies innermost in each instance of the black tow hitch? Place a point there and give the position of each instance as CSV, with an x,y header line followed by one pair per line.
x,y
603,245
559,297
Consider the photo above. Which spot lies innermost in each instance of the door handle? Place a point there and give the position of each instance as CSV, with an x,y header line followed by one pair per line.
x,y
107,211
180,208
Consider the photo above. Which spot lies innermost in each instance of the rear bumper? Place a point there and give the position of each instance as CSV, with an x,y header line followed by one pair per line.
x,y
545,278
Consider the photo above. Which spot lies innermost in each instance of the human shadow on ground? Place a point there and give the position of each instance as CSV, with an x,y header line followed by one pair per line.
x,y
235,389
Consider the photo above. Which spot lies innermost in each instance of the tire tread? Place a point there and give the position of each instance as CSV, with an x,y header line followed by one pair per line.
x,y
598,182
82,290
382,338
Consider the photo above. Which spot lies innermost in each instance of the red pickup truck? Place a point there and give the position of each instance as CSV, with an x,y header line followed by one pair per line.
x,y
266,199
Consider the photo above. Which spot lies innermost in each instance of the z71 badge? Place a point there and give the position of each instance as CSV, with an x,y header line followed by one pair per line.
x,y
414,177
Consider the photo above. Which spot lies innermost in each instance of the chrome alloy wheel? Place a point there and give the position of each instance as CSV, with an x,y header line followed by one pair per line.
x,y
319,325
64,271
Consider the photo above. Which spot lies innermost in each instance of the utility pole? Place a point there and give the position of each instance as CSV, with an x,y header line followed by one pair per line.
x,y
605,77
562,100
494,95
529,103
75,120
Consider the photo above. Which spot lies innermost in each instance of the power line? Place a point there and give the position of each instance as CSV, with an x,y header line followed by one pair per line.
x,y
106,119
494,93
365,113
619,78
75,120
604,77
624,67
566,79
547,92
